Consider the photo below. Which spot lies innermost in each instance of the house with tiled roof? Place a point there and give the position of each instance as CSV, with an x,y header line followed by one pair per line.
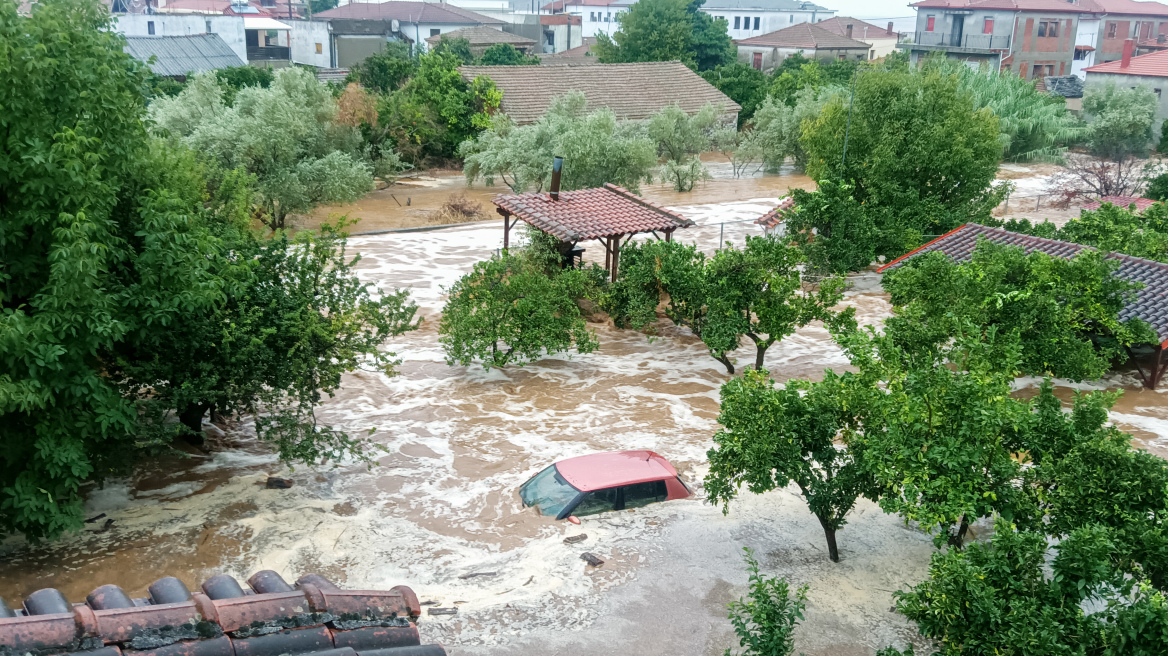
x,y
1149,304
596,16
632,91
1128,19
881,40
482,37
360,29
1029,38
1150,71
767,51
749,18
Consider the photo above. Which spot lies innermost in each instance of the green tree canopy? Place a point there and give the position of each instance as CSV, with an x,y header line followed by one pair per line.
x,y
385,71
773,437
741,83
926,166
1110,228
457,46
753,293
505,54
596,149
668,30
1119,120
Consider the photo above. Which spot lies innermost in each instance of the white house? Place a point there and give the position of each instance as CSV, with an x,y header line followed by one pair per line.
x,y
1086,36
229,28
747,18
596,16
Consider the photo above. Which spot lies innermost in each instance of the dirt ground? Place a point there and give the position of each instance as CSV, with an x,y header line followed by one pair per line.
x,y
458,441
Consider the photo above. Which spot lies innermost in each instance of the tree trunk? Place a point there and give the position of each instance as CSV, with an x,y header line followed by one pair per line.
x,y
192,417
721,357
760,349
829,533
958,541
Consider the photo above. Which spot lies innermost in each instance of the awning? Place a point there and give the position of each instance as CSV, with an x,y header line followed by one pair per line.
x,y
1086,48
263,23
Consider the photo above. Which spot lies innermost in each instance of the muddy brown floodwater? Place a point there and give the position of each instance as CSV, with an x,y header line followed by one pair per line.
x,y
457,443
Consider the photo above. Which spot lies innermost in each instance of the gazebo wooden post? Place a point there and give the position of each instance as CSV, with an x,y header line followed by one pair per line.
x,y
507,223
606,242
1156,367
669,235
615,255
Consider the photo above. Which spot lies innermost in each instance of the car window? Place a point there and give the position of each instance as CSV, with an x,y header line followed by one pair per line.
x,y
548,491
597,502
643,494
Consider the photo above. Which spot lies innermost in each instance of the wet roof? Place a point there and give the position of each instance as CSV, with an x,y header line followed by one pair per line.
x,y
180,55
1150,304
775,216
598,471
591,213
1120,201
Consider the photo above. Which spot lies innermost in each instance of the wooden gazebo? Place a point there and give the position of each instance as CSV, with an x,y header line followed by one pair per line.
x,y
1149,304
607,214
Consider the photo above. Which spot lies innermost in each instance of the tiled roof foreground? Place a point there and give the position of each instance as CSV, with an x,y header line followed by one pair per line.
x,y
775,216
591,213
313,617
1120,201
1150,304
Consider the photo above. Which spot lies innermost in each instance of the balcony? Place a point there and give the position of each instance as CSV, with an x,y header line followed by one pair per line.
x,y
268,53
945,41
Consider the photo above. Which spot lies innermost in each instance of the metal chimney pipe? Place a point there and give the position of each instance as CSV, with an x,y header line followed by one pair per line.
x,y
557,168
1128,45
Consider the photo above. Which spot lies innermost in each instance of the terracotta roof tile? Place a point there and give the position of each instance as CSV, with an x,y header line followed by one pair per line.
x,y
1150,304
860,29
1153,64
1132,7
591,213
803,35
775,216
631,91
480,35
1120,201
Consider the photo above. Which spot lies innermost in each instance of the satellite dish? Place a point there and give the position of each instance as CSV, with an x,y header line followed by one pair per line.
x,y
395,25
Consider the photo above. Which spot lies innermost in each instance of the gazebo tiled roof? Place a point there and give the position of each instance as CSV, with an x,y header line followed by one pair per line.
x,y
1150,304
590,213
1120,201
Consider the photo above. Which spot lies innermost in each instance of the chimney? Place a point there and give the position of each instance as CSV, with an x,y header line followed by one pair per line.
x,y
1128,44
557,167
849,30
890,27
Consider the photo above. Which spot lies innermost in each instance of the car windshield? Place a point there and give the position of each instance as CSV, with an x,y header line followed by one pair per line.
x,y
548,491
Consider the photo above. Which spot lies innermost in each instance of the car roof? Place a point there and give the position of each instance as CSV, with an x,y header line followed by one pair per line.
x,y
601,470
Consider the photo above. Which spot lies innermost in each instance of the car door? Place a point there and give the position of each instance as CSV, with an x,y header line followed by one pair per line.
x,y
597,501
642,494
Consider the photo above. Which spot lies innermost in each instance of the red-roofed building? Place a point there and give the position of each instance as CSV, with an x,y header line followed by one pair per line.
x,y
1029,38
1150,71
1150,304
607,214
596,16
1121,201
1128,19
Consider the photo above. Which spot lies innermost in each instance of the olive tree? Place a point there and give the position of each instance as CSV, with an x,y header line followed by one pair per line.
x,y
680,139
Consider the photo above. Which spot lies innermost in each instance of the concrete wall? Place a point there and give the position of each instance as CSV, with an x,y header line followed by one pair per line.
x,y
1087,35
229,28
598,20
1052,54
1115,28
310,43
562,38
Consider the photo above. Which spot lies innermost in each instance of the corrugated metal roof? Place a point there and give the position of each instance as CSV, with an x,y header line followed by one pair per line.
x,y
179,55
1150,303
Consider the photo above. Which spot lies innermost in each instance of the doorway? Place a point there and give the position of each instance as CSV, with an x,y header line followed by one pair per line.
x,y
958,30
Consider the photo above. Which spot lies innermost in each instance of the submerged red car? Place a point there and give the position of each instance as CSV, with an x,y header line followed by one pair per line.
x,y
601,482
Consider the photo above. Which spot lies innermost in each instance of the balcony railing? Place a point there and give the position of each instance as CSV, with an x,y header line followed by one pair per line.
x,y
971,41
267,53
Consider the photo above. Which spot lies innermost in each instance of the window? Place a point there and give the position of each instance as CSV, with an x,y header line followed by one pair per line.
x,y
643,494
551,38
988,27
756,19
597,502
792,19
209,30
319,48
758,61
608,17
1081,55
1157,92
737,22
1042,70
930,23
871,54
150,27
1111,27
434,31
1048,28
592,16
843,57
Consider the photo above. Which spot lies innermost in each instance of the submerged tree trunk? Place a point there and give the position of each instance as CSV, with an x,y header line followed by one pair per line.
x,y
725,360
192,417
760,349
829,533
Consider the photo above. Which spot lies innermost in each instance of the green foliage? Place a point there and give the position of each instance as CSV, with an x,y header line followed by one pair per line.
x,y
596,149
1119,120
667,30
285,135
754,293
462,109
778,127
235,78
771,438
1110,228
1162,145
509,310
1033,125
385,71
921,168
836,233
160,87
1157,188
765,624
505,54
1064,313
457,46
317,6
741,83
680,139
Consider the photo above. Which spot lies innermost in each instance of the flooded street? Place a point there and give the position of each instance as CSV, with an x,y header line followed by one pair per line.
x,y
458,441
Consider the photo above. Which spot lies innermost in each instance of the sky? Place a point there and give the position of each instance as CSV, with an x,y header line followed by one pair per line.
x,y
877,12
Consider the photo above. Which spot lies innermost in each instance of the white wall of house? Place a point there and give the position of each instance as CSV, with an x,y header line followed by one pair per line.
x,y
560,37
1087,34
229,28
741,23
310,43
598,20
